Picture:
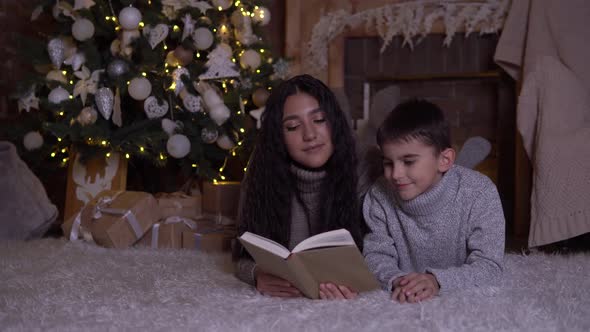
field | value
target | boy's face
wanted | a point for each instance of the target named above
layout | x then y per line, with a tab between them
413	167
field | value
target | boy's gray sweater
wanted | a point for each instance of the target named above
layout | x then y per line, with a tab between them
454	231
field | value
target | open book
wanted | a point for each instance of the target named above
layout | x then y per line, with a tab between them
326	257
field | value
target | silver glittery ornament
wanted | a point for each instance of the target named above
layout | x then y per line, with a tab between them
104	99
57	51
209	135
117	68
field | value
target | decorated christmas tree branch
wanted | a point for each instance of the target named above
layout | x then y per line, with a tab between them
156	80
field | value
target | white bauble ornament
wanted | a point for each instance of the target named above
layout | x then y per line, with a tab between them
139	88
223	4
225	142
32	140
261	15
153	109
219	113
203	38
250	59
169	126
58	95
178	146
129	18
82	29
88	115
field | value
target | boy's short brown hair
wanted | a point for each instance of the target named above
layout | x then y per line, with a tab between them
416	119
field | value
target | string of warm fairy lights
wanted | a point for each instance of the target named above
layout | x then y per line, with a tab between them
61	151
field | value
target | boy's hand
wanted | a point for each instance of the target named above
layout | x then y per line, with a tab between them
271	285
415	287
329	291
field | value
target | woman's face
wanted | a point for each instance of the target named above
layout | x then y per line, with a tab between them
306	131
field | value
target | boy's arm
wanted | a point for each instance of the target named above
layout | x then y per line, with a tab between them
379	248
485	246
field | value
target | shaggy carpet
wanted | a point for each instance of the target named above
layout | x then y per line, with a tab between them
52	284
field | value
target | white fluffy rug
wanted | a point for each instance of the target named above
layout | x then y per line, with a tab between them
52	284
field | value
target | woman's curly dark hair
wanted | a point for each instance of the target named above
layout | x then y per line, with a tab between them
270	184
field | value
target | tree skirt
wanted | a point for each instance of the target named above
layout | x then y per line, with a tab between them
52	284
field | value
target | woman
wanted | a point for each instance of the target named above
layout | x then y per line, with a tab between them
301	179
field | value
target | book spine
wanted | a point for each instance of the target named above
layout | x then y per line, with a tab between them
303	279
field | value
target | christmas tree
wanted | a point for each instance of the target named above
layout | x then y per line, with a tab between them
158	80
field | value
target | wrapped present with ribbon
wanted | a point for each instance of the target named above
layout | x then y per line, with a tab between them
168	233
221	198
115	219
207	239
179	204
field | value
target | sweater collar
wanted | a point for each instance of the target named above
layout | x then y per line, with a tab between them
308	181
436	198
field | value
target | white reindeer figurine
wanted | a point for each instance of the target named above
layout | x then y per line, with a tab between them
86	190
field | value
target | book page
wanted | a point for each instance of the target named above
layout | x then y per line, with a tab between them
266	244
339	237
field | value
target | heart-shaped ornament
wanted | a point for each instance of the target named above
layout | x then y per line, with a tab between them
153	109
192	103
104	99
157	34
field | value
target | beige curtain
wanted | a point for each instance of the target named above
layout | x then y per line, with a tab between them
544	44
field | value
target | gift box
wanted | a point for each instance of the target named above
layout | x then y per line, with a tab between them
207	238
168	233
179	204
115	219
221	198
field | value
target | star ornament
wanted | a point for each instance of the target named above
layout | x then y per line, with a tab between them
189	26
87	84
257	115
83	4
28	101
203	6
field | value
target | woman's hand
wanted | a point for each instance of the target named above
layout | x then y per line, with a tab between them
271	285
329	291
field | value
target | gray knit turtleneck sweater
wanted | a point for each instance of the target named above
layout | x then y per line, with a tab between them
454	231
308	185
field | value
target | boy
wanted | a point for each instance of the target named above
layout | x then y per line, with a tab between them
434	226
